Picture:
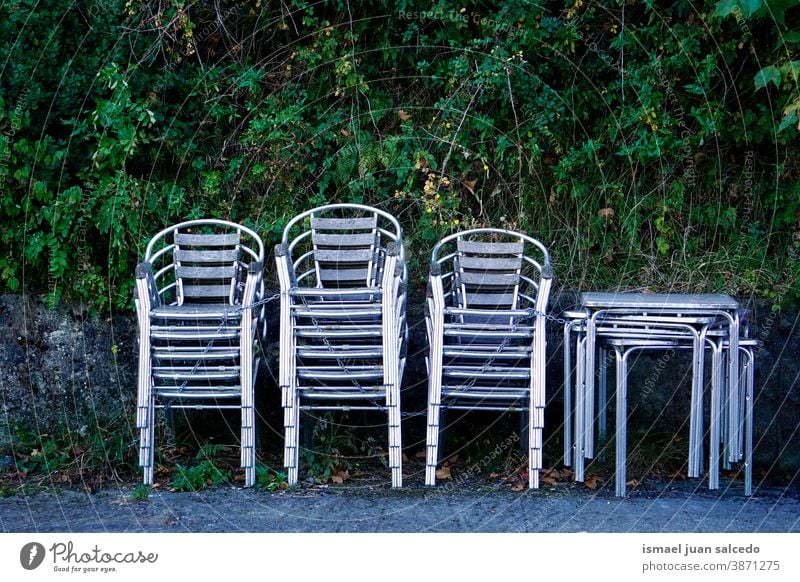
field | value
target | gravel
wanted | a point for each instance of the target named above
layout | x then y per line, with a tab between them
665	507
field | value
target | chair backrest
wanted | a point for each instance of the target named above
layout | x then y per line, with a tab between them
203	261
492	269
207	266
340	246
487	274
346	250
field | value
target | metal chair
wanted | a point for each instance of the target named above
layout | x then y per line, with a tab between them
486	300
198	328
343	330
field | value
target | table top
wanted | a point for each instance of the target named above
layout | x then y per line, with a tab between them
671	301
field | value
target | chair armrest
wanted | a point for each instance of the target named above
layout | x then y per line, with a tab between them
144	272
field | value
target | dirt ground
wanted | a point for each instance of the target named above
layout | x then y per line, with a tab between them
681	506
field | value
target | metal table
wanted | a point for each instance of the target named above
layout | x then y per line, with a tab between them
643	307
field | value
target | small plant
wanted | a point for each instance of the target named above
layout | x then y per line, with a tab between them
198	477
334	445
205	473
140	493
269	480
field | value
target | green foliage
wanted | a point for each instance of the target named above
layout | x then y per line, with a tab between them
140	493
660	153
90	456
270	480
205	472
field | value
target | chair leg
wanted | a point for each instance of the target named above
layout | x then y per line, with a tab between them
395	434
148	434
291	414
534	437
432	443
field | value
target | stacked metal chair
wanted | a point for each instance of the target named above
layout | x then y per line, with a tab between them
343	280
198	327
486	300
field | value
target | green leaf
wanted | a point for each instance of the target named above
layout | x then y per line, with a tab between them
790	37
791	70
749	7
726	7
788	120
767	75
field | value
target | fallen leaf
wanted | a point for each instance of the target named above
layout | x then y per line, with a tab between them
493	475
443	473
592	481
632	483
607	213
406	459
336	479
420	454
470	184
547	480
518	487
344	132
403	115
453	459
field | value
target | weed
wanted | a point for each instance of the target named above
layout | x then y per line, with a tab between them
140	493
269	480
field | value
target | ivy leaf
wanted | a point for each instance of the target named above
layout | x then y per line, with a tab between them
791	69
749	7
790	37
726	7
788	120
767	75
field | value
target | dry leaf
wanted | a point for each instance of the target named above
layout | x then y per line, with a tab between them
632	483
344	132
453	459
443	473
607	213
406	459
518	487
420	454
547	480
592	481
470	184
403	115
336	479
